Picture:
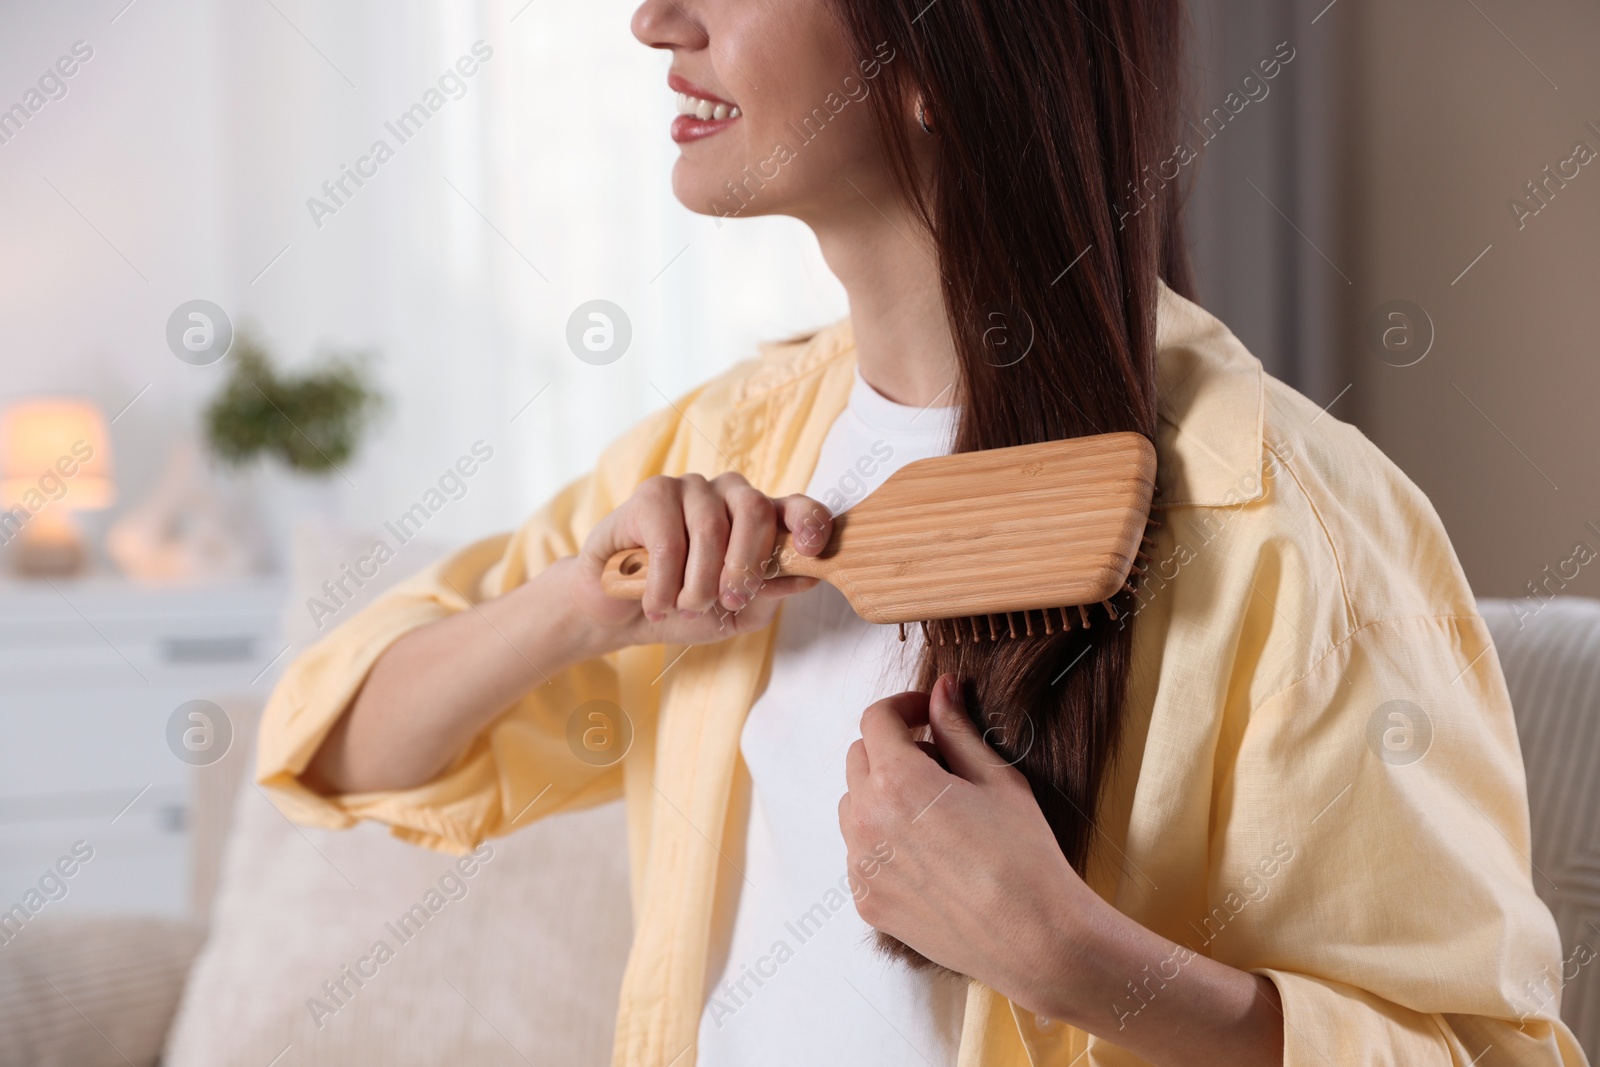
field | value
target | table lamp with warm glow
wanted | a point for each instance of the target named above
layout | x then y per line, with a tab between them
55	459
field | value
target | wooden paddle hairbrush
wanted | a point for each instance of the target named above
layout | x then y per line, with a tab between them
1031	530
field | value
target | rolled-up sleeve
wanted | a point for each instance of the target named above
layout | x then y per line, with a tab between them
521	767
1371	857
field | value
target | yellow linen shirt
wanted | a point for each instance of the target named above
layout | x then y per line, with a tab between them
1320	779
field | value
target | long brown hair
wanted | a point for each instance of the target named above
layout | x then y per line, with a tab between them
1050	124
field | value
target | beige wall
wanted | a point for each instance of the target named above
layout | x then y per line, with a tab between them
1449	122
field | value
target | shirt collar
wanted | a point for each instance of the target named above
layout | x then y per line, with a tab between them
1210	399
1210	403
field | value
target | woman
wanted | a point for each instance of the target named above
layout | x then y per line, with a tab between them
1269	810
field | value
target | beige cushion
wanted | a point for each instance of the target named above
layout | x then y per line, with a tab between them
1550	654
526	966
86	992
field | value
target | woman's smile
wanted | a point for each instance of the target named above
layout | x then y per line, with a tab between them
701	113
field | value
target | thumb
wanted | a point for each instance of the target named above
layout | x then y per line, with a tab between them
957	736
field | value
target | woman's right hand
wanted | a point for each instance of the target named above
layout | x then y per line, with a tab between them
439	686
710	543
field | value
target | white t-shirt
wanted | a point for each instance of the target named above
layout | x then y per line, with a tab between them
798	981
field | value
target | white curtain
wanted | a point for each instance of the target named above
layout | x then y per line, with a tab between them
540	183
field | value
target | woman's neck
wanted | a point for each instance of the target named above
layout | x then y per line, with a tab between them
888	267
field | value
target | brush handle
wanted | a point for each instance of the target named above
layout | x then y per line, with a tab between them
626	571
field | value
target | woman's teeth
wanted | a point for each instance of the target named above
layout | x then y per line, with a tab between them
705	109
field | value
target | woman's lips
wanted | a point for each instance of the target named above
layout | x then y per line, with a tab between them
700	113
687	128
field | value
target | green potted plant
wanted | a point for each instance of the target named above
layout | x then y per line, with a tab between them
310	422
307	424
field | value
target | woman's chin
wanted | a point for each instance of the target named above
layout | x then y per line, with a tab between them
713	187
701	192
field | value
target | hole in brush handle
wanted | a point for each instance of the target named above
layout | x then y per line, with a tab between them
625	574
627	571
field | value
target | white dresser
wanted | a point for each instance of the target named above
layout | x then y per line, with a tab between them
91	673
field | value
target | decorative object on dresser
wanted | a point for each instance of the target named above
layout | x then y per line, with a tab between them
184	530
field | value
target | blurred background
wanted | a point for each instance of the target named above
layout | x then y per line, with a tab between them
1401	222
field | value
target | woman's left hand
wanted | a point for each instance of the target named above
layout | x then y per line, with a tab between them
977	882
